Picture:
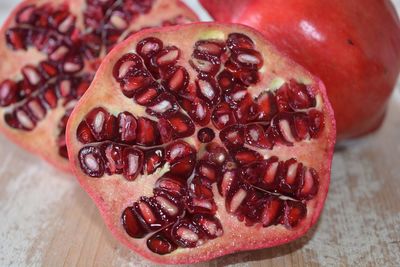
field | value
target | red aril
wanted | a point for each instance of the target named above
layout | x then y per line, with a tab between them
353	46
50	52
207	187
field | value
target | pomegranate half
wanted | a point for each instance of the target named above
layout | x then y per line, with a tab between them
353	46
50	51
201	140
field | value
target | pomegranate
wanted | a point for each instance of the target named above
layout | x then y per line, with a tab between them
200	140
50	52
353	46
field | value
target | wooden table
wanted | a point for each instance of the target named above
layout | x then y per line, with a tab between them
46	219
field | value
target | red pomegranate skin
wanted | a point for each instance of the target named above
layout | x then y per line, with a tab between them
353	46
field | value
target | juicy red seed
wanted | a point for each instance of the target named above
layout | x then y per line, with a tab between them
209	224
266	106
17	38
246	156
135	81
127	127
171	184
223	116
126	64
186	234
8	93
133	163
131	224
48	69
182	125
216	154
200	188
102	124
308	187
300	96
183	167
207	171
25	15
232	136
91	161
204	65
207	89
317	123
248	58
209	48
50	97
160	244
166	131
226	80
293	213
145	96
177	79
113	158
239	40
167	56
198	110
256	136
149	47
73	64
301	126
272	212
36	109
206	135
31	75
154	159
163	106
178	150
147	134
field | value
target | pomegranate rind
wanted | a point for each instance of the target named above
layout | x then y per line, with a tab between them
112	194
42	141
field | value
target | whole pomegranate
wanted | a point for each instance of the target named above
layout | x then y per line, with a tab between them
50	51
201	140
353	46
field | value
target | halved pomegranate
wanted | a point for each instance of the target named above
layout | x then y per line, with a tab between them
201	140
50	51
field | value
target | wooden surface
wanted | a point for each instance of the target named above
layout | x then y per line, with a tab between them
47	220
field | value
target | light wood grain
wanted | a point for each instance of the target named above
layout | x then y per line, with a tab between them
47	220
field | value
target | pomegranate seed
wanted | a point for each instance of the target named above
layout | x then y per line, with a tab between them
32	75
232	136
171	184
223	116
309	185
209	48
256	136
113	158
205	135
50	97
147	134
164	105
317	123
91	161
133	162
301	126
149	47
300	96
154	159
183	167
167	56
198	110
266	106
145	96
178	80
245	156
209	224
272	212
102	124
118	21
166	131
186	234
182	125
239	41
208	90
131	224
8	93
160	244
178	150
36	109
16	38
247	58
24	119
126	64
48	69
25	15
293	213
135	81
